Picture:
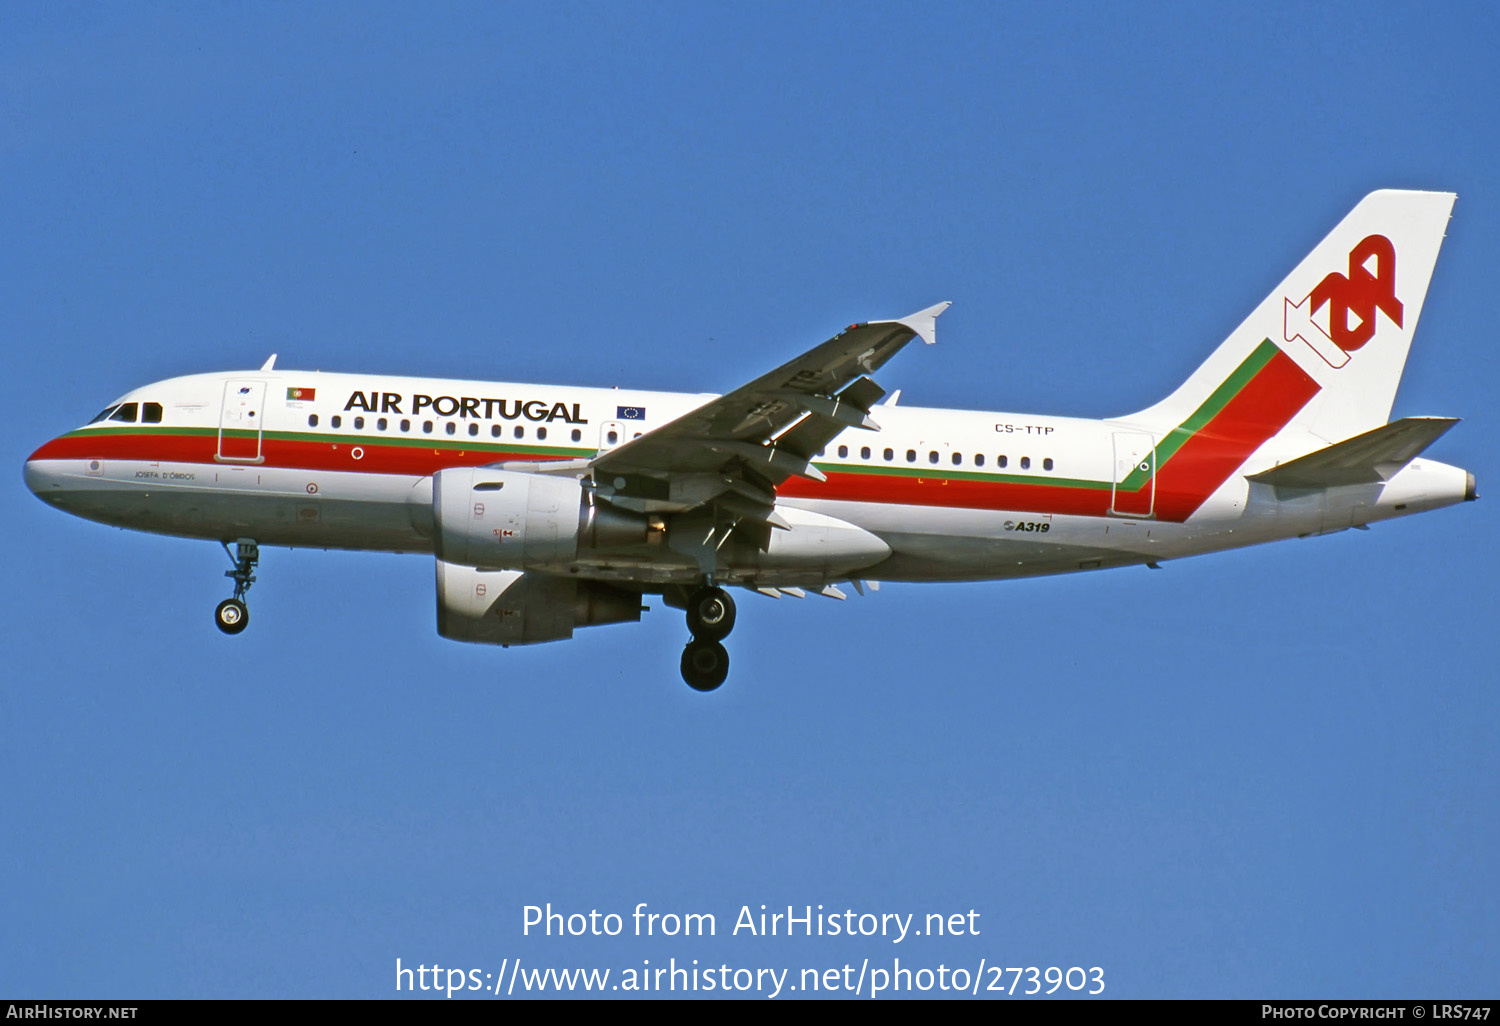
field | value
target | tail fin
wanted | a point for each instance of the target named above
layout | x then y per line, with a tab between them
1324	352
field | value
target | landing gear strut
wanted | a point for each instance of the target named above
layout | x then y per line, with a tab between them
710	616
233	615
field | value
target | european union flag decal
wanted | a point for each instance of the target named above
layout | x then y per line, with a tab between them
630	413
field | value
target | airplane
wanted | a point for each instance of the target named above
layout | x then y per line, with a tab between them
551	508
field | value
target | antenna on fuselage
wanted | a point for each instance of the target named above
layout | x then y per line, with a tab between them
269	364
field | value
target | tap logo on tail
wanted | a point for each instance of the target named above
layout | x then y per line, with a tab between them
1369	286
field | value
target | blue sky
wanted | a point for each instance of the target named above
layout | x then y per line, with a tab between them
1266	772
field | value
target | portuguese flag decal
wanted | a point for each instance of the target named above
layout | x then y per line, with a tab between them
301	394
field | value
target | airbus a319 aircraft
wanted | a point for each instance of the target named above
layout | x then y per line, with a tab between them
551	508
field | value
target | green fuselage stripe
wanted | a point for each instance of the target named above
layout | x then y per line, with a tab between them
1165	449
1205	413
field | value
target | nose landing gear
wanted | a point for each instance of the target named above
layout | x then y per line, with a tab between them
710	616
232	615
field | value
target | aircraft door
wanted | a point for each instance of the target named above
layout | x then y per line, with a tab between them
1135	474
240	421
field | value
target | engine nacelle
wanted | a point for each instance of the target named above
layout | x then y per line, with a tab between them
504	520
509	520
508	607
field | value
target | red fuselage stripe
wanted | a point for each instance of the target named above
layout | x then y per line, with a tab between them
1206	460
1183	483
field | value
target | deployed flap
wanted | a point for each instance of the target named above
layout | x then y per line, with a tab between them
764	432
1364	459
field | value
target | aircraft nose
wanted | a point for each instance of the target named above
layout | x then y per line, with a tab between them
40	478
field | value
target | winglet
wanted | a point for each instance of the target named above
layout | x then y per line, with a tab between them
924	322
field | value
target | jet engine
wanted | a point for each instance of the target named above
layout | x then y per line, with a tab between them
509	520
509	607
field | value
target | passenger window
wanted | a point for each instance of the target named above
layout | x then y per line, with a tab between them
521	433
312	420
614	436
451	427
336	421
405	425
380	424
843	452
426	427
1001	461
151	413
473	430
864	452
126	412
979	459
541	433
494	430
1025	462
958	458
359	423
932	457
577	435
1047	463
889	455
911	455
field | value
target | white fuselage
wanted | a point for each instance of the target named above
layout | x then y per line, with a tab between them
346	461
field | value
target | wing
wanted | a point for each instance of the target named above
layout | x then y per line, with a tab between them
732	452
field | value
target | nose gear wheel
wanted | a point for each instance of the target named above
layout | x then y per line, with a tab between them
233	615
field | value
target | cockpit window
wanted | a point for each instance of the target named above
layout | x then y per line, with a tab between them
151	413
103	414
126	412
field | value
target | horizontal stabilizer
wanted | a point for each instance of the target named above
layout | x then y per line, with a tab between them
1364	459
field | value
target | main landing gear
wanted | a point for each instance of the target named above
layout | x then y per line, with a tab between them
233	616
710	616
